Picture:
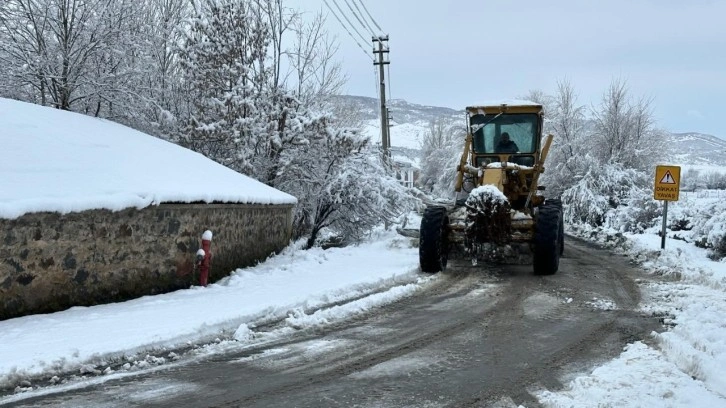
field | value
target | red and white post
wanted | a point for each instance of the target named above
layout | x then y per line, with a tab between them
204	257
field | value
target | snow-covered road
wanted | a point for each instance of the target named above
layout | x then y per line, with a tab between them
682	366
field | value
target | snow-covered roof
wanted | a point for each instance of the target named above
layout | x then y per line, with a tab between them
404	160
61	161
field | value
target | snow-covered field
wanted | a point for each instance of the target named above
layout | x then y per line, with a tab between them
408	135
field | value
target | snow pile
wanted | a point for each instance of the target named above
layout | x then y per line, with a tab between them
639	377
60	161
299	319
488	193
602	304
294	283
243	333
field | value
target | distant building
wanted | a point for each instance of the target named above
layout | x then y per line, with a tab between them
407	168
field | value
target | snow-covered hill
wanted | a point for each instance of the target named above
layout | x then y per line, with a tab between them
698	151
408	120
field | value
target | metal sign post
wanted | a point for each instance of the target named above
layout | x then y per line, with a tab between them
665	222
667	188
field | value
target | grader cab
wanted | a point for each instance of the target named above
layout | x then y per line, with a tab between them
500	211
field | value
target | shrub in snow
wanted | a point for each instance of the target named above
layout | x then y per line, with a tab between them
714	232
700	218
342	185
89	369
594	199
639	213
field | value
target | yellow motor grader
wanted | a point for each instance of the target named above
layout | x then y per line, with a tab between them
500	211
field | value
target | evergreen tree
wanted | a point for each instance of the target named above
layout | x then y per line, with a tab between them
224	42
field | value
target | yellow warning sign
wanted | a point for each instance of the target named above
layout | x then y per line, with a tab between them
667	183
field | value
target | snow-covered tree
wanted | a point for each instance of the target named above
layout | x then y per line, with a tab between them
601	161
163	101
624	130
225	41
53	48
342	184
441	148
25	49
603	189
569	155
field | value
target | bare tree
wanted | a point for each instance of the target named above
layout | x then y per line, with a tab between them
312	57
568	117
540	97
24	26
161	79
56	47
280	19
624	130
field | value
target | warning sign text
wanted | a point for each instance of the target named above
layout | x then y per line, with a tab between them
667	183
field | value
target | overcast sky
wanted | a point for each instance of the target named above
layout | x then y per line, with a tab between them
455	53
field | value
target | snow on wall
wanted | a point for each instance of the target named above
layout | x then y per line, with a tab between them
66	162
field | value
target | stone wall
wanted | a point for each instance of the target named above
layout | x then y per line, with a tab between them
49	261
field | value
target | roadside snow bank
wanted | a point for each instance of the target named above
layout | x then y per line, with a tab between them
640	377
686	365
294	280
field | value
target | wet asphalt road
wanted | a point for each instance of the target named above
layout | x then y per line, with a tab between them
476	336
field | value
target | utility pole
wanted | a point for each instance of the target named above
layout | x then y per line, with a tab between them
385	136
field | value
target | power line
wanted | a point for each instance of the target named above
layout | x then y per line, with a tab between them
346	28
364	24
348	20
372	31
369	15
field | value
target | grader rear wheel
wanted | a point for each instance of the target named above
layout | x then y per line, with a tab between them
433	248
548	244
561	236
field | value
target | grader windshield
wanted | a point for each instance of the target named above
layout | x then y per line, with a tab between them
512	133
